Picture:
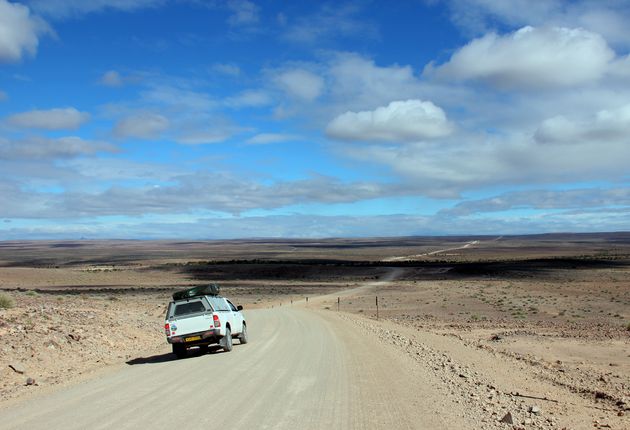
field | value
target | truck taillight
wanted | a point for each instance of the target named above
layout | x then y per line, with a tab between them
167	329
215	319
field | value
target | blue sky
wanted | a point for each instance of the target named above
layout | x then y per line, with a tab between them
237	118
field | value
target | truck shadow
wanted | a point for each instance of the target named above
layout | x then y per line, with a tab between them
166	357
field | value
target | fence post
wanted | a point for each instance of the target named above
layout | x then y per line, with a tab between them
377	307
337	304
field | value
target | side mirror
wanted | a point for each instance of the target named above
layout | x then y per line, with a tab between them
239	308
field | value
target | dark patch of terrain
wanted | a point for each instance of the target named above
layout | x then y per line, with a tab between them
317	270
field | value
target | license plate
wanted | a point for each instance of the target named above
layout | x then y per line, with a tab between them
192	338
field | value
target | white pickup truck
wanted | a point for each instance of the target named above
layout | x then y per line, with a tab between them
202	320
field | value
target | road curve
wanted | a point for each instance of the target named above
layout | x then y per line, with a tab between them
302	369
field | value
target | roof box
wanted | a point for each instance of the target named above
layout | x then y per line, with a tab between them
204	290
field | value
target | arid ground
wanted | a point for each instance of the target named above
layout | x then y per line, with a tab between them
469	330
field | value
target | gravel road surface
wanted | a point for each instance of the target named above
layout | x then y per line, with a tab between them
302	369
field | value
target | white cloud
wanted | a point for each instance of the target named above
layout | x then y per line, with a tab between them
219	192
111	78
605	126
400	121
202	136
265	138
250	98
226	69
300	83
607	18
531	57
357	83
181	98
244	12
19	31
141	125
45	148
470	162
59	9
52	119
545	199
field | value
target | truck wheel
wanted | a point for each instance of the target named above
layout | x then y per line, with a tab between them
179	350
243	336
227	340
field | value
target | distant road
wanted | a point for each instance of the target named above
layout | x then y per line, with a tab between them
439	251
303	369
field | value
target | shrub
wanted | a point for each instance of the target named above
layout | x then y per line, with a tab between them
6	302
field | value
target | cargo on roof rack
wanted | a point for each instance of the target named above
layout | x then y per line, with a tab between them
204	290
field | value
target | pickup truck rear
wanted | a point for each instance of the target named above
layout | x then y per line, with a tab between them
203	320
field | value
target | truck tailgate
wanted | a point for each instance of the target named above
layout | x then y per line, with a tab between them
184	325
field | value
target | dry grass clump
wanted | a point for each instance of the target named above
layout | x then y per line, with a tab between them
6	302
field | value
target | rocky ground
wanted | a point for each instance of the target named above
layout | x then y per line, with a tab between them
53	339
482	381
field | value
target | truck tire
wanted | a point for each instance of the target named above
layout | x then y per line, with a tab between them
243	336
179	350
227	340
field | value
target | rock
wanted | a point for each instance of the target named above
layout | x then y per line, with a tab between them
74	336
51	344
30	381
17	367
496	338
507	418
620	414
534	410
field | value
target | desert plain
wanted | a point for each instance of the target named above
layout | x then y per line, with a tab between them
512	332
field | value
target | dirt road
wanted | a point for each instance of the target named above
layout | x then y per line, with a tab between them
302	369
438	251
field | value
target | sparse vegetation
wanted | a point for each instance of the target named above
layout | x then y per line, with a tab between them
6	302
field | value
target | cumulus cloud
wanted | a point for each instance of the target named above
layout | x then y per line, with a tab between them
605	126
400	121
143	125
301	84
20	31
265	138
530	57
46	148
53	119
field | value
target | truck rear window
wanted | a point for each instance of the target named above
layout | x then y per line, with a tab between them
188	308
